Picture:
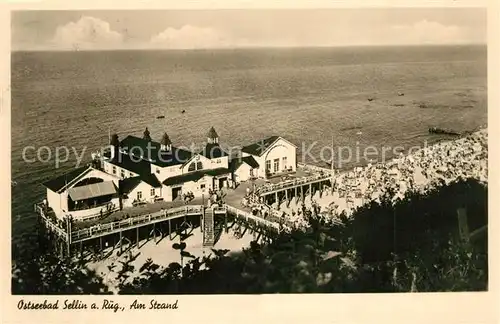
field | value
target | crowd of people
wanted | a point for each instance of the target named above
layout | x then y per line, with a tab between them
432	166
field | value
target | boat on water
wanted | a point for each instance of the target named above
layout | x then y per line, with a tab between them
160	117
436	130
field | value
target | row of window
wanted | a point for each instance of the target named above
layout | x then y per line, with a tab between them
122	173
276	164
152	193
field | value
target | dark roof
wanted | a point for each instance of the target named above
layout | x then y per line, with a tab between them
236	162
60	182
216	172
194	176
250	161
213	151
212	133
260	147
126	162
128	184
159	157
151	180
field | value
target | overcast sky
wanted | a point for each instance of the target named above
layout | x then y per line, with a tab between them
186	29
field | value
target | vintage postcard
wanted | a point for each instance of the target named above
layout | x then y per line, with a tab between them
296	156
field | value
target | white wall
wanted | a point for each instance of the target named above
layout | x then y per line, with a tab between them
242	173
146	194
108	168
195	186
54	202
207	164
279	150
166	172
222	162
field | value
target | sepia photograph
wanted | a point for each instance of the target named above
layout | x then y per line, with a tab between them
248	151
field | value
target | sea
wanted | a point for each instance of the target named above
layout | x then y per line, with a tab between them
350	97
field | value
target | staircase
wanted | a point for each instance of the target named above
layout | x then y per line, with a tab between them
208	228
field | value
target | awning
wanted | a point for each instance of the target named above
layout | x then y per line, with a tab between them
92	190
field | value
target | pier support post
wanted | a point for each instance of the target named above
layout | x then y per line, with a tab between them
169	230
311	190
100	245
201	223
120	242
154	232
61	249
225	223
276	197
81	249
286	194
137	236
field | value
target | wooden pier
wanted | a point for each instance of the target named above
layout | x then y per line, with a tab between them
294	189
159	223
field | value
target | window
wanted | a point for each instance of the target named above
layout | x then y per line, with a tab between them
268	165
153	193
219	161
157	170
114	169
202	187
131	174
122	173
284	163
192	167
276	165
139	195
199	166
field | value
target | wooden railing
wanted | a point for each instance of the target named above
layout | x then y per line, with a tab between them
248	216
133	222
267	188
49	222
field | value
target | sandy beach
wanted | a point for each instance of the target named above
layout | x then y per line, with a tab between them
162	253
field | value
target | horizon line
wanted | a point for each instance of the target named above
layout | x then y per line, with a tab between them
249	47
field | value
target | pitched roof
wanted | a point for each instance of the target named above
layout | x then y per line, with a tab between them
194	176
92	190
151	180
159	157
128	184
250	161
260	147
237	162
60	182
212	133
213	151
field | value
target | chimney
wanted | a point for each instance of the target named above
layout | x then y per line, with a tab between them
114	144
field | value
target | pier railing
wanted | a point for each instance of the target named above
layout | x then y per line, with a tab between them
268	188
133	222
249	217
39	208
